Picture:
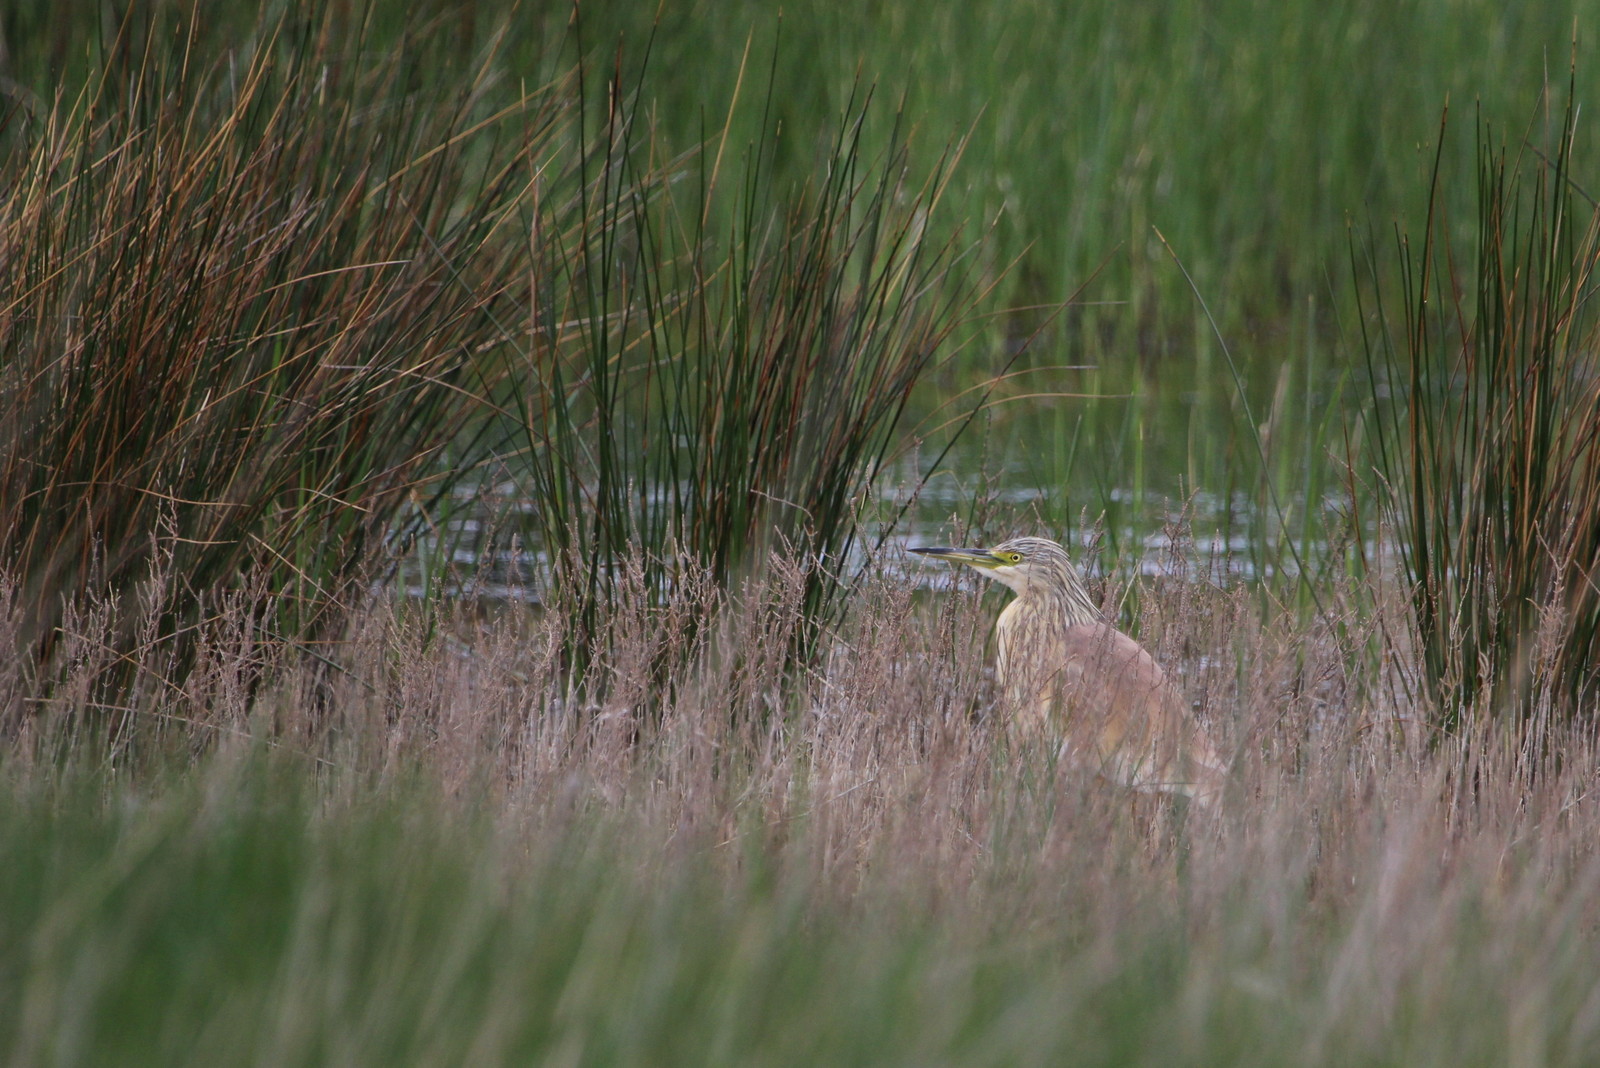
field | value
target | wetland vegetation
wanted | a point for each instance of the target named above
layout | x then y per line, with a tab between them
454	463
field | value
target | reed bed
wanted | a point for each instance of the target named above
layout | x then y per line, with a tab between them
1250	134
289	312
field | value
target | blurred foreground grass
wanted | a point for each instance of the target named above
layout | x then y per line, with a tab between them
236	917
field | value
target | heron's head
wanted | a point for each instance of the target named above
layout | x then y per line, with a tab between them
1025	564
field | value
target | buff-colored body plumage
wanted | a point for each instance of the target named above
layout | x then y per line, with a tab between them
1068	677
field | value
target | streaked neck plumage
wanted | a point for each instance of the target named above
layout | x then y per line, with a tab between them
1058	594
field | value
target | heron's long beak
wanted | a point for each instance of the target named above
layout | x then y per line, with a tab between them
975	557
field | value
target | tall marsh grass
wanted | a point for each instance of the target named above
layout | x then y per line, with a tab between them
273	315
1249	133
710	395
1487	415
233	333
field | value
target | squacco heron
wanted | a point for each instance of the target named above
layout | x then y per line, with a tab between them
1067	676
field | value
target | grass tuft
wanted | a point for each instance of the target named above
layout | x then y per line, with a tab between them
1487	418
232	348
690	398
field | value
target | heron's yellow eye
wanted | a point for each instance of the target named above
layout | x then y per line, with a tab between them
1012	557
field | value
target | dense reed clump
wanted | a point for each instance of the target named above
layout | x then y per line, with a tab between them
708	395
1487	395
242	301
